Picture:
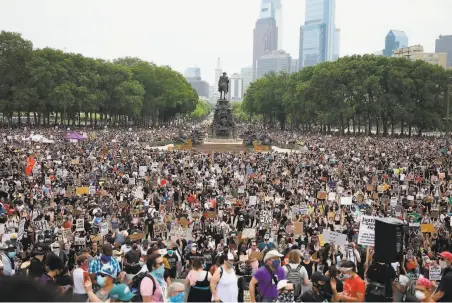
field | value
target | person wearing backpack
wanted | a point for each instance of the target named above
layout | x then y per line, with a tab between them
410	290
296	273
153	286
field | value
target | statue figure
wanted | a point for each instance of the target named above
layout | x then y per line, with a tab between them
223	86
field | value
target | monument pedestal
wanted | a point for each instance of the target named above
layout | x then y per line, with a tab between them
223	126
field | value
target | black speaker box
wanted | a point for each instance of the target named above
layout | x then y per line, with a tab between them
388	240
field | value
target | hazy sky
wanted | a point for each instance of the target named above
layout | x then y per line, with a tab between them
185	33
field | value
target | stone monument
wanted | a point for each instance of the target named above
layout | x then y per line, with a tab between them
223	126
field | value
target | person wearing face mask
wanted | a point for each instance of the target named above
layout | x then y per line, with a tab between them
7	258
105	279
423	290
267	278
285	292
354	286
266	245
131	261
316	293
224	281
444	291
153	286
176	292
172	259
192	254
79	293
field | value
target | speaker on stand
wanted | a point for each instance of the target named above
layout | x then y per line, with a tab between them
388	240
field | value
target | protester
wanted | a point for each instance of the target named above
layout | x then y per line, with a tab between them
198	281
444	291
267	278
176	292
153	286
223	284
354	286
111	193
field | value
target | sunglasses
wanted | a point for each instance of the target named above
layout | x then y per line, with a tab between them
103	275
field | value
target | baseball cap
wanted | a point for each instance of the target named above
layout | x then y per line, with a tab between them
271	254
282	284
121	292
107	270
447	255
318	276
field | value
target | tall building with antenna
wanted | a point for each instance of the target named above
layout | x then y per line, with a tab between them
218	72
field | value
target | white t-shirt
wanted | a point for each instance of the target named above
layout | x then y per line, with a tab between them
78	281
125	249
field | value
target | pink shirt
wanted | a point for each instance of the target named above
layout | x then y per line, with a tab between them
146	288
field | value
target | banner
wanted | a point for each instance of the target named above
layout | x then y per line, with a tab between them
366	234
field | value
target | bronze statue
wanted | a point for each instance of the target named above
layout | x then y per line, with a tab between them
223	86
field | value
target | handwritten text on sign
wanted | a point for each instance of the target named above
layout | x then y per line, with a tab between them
367	231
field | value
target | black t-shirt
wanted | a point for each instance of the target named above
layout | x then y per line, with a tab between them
172	260
36	269
311	296
190	256
446	285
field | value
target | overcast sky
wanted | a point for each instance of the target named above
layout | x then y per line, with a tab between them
186	33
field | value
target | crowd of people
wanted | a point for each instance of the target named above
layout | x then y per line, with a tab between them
107	217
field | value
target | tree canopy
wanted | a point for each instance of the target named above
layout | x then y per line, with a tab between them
357	93
53	85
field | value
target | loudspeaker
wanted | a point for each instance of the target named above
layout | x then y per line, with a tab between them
388	240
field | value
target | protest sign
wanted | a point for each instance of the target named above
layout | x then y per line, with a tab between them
81	190
80	225
434	273
346	200
298	228
249	233
79	241
331	196
366	234
427	228
334	237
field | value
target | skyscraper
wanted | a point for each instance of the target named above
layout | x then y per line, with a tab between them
444	45
265	38
318	34
337	44
236	88
394	40
193	76
247	76
274	61
218	73
192	72
276	12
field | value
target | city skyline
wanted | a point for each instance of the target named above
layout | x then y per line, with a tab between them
180	34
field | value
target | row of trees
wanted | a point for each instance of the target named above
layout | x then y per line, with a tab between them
48	85
357	94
